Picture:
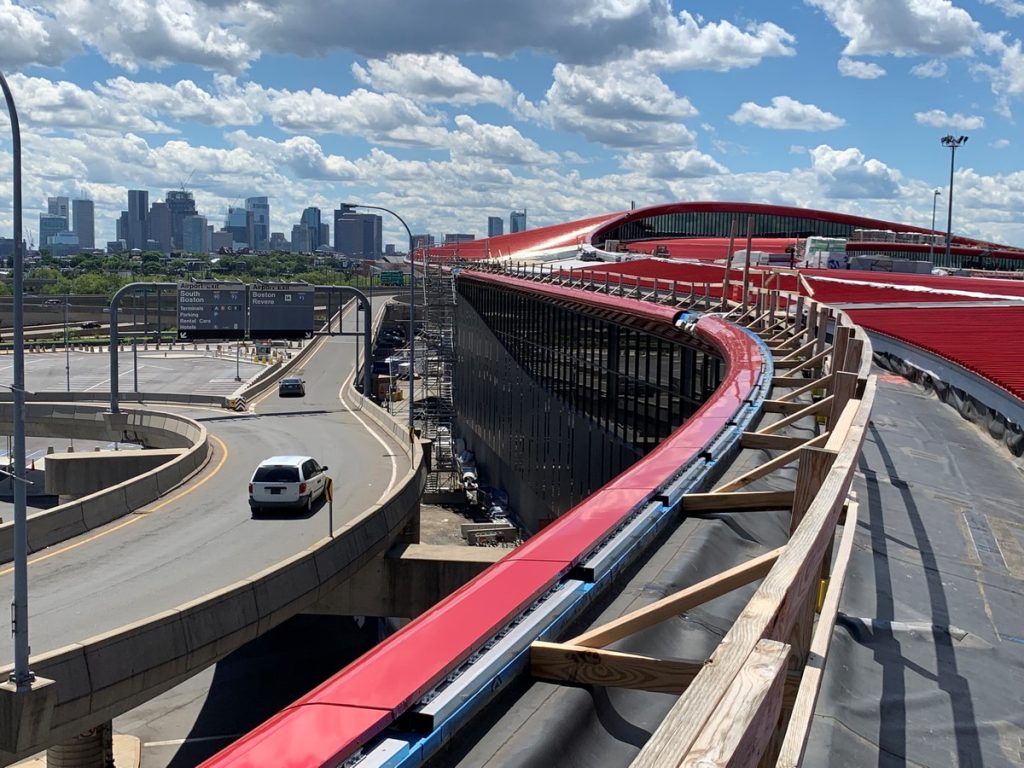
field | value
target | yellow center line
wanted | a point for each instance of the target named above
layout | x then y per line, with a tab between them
134	516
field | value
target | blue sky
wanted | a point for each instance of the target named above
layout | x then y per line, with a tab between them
450	112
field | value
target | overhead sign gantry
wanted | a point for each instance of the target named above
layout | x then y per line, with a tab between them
281	311
211	311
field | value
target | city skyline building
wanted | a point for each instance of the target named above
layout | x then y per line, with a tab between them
517	221
311	218
84	222
195	233
495	226
260	209
138	218
458	237
358	235
57	206
160	226
301	239
50	225
182	205
239	223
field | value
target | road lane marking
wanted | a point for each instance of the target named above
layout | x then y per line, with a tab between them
134	516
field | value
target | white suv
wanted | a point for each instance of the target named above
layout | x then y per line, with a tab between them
287	481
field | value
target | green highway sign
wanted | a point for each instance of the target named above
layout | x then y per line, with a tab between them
392	278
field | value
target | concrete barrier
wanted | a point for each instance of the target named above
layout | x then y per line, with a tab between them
86	422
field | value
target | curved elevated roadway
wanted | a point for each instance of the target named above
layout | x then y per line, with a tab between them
202	537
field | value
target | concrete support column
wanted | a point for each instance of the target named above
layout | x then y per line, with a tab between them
92	749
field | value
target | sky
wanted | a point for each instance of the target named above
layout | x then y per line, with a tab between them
451	111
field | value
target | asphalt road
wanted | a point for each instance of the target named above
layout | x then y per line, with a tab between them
202	537
158	371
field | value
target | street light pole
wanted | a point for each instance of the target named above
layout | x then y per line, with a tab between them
952	142
67	355
412	300
22	676
931	241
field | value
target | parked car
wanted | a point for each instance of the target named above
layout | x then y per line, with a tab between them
90	324
291	386
53	303
287	482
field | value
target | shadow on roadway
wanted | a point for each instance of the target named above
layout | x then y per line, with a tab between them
290	514
266	675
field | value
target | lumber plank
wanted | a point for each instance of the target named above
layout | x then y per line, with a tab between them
680	602
737	501
573	664
808	410
755	440
782	406
792	752
770	466
741	727
808	387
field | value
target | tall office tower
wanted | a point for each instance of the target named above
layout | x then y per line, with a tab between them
495	226
84	223
239	224
182	205
358	235
311	219
260	208
122	228
300	239
160	226
278	242
195	235
517	221
138	218
57	206
50	225
325	234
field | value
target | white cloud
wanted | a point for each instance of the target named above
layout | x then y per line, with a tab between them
933	68
901	27
1000	144
716	46
862	70
614	105
501	144
1009	7
686	164
937	118
436	77
846	174
130	33
787	114
32	37
379	118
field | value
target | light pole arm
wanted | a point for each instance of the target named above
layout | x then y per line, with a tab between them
412	305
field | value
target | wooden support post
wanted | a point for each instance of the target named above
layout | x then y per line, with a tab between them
844	388
728	266
822	335
854	351
682	601
840	340
746	262
773	305
799	322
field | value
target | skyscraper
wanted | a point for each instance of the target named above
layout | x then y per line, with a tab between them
50	225
358	235
495	226
160	226
311	219
57	206
300	239
138	218
84	222
325	234
517	221
239	223
181	205
260	209
196	235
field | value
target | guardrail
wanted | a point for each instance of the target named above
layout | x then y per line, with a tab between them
82	422
444	666
93	682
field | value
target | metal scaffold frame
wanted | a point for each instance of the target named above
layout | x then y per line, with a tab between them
436	403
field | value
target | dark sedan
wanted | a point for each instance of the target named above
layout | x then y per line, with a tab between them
291	386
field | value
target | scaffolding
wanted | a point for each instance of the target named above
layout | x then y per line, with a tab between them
435	407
